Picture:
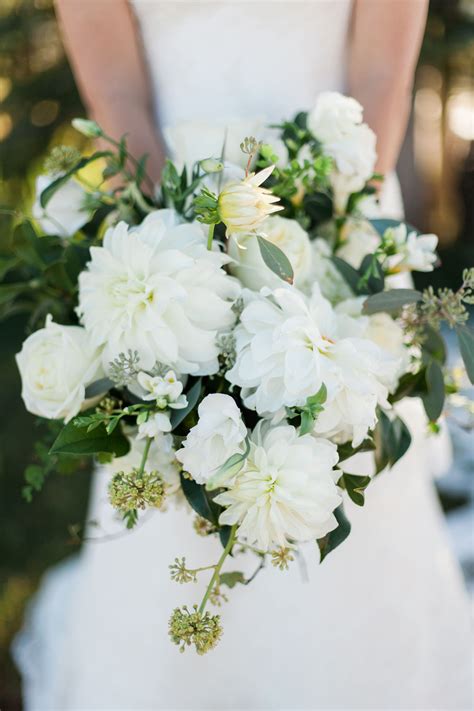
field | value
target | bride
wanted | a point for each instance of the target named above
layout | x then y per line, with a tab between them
383	623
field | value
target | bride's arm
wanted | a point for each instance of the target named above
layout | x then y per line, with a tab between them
385	43
102	44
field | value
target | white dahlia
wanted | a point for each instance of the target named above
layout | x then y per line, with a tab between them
155	289
286	491
288	346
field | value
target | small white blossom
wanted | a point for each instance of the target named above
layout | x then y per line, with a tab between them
56	363
157	422
286	490
64	214
412	252
166	389
243	205
219	433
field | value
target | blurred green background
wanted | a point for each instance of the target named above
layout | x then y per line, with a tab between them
38	98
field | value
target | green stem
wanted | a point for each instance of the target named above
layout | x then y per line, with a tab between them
132	160
210	235
217	569
145	456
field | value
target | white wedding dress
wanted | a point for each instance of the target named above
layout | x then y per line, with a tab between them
383	623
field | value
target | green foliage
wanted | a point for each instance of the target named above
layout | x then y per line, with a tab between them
310	411
334	538
433	399
390	301
82	439
466	346
193	395
355	486
230	468
392	440
276	259
200	500
232	579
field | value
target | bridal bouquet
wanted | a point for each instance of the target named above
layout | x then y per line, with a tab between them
230	338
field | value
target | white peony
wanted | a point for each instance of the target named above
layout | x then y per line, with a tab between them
64	214
243	205
358	239
157	290
286	234
286	490
161	458
219	433
333	116
412	252
56	364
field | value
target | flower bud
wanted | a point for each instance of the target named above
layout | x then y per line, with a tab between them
87	127
211	165
243	205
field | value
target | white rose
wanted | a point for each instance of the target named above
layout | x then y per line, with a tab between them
413	252
333	116
358	239
219	433
56	364
285	491
64	214
286	234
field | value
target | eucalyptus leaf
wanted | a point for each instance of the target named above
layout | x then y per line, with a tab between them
275	259
433	399
98	387
391	301
466	346
334	538
346	451
392	440
350	274
78	440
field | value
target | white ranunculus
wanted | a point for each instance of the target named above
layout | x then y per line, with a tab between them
56	364
358	239
161	458
324	273
64	214
333	116
243	205
286	490
413	252
156	289
286	234
219	433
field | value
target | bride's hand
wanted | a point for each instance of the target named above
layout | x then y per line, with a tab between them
106	56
